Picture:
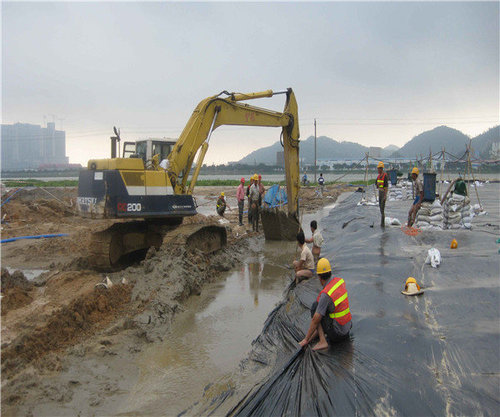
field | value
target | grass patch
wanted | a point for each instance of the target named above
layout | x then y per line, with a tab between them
40	183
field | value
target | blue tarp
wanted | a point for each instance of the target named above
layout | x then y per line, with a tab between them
275	196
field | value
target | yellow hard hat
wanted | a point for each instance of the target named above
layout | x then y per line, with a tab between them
415	170
222	194
380	164
411	280
323	266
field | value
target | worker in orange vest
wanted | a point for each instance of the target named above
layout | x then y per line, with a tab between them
330	312
382	187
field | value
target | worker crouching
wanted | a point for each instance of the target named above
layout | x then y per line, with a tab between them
331	317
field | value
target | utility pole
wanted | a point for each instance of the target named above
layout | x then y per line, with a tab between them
315	151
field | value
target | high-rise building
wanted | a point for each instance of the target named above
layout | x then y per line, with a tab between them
27	146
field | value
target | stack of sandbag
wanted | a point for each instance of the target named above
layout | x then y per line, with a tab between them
477	210
456	210
396	192
430	216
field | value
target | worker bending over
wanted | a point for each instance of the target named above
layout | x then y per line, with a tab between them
304	267
330	312
419	196
221	205
382	186
317	240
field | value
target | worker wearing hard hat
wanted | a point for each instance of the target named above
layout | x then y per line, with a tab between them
331	317
253	198
382	187
221	204
419	196
240	197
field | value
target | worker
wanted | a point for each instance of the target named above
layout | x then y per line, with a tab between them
221	204
304	267
165	164
330	312
249	215
419	197
253	197
262	191
316	239
304	179
382	186
321	182
240	196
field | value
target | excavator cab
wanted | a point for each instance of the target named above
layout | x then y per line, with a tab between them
146	149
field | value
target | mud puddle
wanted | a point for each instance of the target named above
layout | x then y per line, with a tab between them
210	338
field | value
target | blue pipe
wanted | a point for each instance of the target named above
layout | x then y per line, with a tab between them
12	239
15	192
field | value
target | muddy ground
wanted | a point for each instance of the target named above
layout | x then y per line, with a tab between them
67	343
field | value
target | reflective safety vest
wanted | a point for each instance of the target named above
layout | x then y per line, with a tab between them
381	180
337	292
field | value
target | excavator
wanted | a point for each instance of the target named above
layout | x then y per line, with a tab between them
146	195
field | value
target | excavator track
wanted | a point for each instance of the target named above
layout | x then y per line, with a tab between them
109	247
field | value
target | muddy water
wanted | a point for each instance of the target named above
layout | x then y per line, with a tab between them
214	333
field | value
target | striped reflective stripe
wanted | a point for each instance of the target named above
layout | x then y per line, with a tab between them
338	284
340	299
340	313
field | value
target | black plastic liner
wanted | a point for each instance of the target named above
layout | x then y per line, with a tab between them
431	355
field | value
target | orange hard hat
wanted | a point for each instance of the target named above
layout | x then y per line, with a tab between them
454	244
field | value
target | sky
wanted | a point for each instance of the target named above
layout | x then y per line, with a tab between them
375	73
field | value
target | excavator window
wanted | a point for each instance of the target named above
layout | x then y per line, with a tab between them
141	149
163	149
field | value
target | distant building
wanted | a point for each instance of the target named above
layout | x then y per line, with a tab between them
27	146
280	158
375	152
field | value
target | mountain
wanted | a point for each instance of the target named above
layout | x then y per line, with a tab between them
326	148
486	145
452	140
483	144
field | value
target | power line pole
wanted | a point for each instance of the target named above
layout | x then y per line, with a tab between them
315	151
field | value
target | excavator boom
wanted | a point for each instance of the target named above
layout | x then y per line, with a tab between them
216	111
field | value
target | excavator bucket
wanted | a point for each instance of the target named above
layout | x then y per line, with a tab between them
278	225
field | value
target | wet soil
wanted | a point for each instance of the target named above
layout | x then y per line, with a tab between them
68	345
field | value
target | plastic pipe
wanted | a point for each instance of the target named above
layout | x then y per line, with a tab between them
12	239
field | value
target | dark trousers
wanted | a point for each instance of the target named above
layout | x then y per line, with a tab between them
241	205
254	208
330	326
381	204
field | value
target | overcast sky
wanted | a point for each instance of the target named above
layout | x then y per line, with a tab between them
372	73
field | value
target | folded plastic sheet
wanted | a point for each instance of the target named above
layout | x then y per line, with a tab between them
433	355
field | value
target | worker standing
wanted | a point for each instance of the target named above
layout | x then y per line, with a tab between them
317	240
304	267
253	196
221	204
330	312
249	214
419	196
321	182
240	196
382	186
262	191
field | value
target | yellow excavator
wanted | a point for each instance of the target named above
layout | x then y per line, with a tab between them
147	194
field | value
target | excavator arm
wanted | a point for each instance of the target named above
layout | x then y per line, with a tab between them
216	111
